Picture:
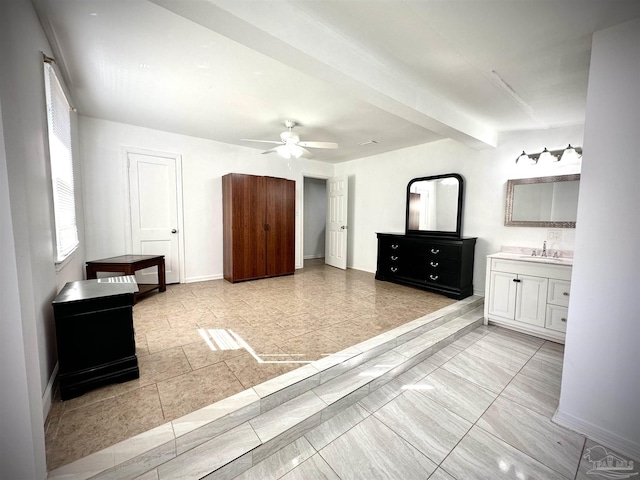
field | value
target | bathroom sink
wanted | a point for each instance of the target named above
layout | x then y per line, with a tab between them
559	261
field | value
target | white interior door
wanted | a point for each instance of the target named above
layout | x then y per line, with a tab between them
155	208
337	231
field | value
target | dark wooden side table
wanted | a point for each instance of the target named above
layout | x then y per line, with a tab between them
128	265
94	333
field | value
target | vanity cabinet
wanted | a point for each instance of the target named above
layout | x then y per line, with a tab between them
439	264
529	295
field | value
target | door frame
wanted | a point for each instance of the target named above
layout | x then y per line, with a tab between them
301	216
128	237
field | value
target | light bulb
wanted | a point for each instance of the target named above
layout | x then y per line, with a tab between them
545	157
525	159
570	156
295	150
283	151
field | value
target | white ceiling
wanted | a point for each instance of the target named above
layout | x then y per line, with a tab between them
400	72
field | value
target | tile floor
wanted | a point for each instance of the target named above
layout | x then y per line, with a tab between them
318	311
478	409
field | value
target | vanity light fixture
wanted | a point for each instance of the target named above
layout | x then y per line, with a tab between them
567	155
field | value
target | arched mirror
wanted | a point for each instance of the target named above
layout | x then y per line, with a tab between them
434	205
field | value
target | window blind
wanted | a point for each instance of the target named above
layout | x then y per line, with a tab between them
59	125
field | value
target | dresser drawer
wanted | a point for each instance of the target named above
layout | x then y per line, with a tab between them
449	278
437	250
558	293
389	246
556	318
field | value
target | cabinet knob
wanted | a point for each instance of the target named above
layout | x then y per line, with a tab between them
395	246
394	269
435	251
563	320
566	294
433	277
434	264
517	280
393	257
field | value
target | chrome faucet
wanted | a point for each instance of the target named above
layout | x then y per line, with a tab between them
544	249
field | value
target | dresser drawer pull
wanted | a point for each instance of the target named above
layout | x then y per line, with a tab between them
435	251
563	320
433	277
394	246
566	294
394	258
394	269
434	264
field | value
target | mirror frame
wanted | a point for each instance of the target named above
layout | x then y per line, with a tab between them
453	234
511	184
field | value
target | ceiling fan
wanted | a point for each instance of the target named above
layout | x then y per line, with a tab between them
290	144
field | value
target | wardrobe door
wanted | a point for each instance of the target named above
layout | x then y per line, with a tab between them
244	227
280	225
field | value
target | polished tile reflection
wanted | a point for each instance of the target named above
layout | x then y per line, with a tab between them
300	318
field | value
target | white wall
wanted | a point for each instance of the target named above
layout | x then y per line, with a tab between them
22	440
204	162
315	216
601	381
377	189
30	280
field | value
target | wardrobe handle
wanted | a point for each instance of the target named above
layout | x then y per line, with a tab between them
434	264
395	246
393	257
394	269
435	251
433	277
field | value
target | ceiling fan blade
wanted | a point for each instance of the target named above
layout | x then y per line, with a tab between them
261	141
305	153
273	150
318	144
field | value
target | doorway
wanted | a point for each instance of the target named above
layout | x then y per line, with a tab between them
315	218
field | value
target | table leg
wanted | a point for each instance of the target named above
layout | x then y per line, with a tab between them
161	276
91	272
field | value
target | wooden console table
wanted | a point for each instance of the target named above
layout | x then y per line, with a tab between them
128	265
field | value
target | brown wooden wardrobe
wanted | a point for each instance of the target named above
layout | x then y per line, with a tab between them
258	217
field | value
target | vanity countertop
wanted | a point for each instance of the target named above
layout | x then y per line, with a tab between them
529	258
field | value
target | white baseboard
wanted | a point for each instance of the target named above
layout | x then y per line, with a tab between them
607	439
47	397
203	278
311	257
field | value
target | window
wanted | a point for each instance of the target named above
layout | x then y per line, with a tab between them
59	123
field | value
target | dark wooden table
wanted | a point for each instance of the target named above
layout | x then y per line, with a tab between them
94	332
128	265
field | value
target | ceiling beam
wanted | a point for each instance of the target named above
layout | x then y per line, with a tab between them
283	32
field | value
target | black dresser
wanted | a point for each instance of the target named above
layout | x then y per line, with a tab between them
439	264
94	330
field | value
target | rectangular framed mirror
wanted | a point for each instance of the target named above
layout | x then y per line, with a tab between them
550	202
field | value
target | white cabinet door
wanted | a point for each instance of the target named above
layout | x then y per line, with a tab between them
531	300
556	318
502	298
